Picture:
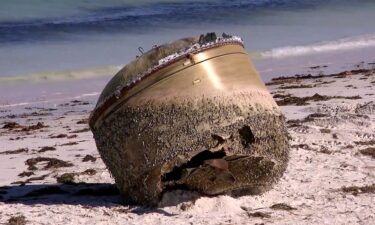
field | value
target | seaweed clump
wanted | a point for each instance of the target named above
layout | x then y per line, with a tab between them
51	163
17	220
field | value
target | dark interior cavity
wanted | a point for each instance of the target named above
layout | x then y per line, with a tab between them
194	162
247	136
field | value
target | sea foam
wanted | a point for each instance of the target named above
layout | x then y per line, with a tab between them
321	47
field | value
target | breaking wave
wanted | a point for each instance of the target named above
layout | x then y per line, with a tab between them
321	47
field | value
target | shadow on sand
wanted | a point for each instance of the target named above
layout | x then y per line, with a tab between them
85	194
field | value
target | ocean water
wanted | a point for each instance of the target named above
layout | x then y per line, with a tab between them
48	48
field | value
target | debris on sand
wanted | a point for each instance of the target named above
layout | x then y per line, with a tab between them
38	126
282	206
59	136
368	152
299	101
12	152
26	115
46	148
309	118
370	142
83	121
297	86
70	143
81	130
72	136
245	208
36	178
17	138
14	125
302	146
69	178
325	150
355	190
78	102
30	179
17	220
66	178
325	131
89	158
26	174
186	206
11	125
318	67
300	77
51	163
89	172
259	214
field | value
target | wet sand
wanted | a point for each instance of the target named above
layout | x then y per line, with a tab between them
51	172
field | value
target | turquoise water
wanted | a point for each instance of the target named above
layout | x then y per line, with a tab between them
71	40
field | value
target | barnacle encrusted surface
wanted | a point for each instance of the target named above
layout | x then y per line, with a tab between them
226	144
192	114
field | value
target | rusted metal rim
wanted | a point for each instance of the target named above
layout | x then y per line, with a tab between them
121	91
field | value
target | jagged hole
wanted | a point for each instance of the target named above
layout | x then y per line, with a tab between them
194	162
247	136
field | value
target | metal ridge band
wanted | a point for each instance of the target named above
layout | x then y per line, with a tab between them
102	110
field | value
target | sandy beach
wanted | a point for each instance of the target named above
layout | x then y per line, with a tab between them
316	57
51	172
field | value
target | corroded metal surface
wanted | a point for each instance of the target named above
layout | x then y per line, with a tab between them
203	122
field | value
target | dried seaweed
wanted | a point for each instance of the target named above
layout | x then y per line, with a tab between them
299	101
51	163
12	152
355	190
368	152
89	158
17	220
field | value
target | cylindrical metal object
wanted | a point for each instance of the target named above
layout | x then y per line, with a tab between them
201	119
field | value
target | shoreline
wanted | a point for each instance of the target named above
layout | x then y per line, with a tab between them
59	90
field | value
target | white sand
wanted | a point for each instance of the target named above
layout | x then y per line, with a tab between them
312	183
